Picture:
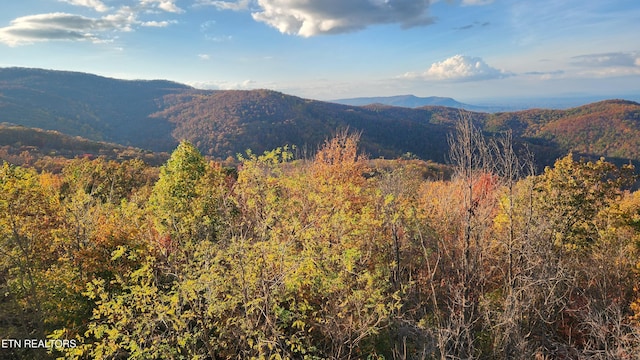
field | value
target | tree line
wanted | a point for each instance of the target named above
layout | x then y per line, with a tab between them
323	258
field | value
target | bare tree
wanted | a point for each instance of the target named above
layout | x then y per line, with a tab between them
471	158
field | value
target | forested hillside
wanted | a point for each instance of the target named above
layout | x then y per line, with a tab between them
323	258
608	128
43	149
157	115
94	107
230	122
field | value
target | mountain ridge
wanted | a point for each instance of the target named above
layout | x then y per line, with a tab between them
27	146
157	114
410	101
86	105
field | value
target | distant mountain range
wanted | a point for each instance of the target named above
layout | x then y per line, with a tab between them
412	101
566	101
156	115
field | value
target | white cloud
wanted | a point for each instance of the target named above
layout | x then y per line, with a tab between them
476	2
219	39
545	75
225	4
460	68
603	65
157	23
165	5
229	85
610	72
207	29
96	5
122	20
71	27
614	59
59	26
204	56
205	26
309	18
607	72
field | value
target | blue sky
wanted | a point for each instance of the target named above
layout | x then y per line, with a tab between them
329	49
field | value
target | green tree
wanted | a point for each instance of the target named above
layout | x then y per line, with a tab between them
173	302
571	194
184	200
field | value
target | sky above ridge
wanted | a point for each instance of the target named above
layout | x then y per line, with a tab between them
330	49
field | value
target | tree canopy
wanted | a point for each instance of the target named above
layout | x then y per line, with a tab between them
330	257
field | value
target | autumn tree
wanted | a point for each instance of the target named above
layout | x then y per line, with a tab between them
29	217
105	181
320	223
571	194
558	219
185	200
333	256
160	306
470	155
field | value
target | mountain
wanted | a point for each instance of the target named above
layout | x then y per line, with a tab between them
608	128
22	145
156	115
228	122
225	123
411	101
87	105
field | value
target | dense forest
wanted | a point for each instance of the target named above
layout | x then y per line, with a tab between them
49	150
157	115
328	256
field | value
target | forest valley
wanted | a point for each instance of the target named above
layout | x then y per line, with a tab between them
327	257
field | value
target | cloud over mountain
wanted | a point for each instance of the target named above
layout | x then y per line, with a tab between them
460	68
309	18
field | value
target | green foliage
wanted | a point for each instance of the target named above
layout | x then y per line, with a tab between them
182	199
334	257
573	192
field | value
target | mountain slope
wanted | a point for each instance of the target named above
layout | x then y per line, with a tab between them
87	105
228	122
156	115
608	128
20	145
